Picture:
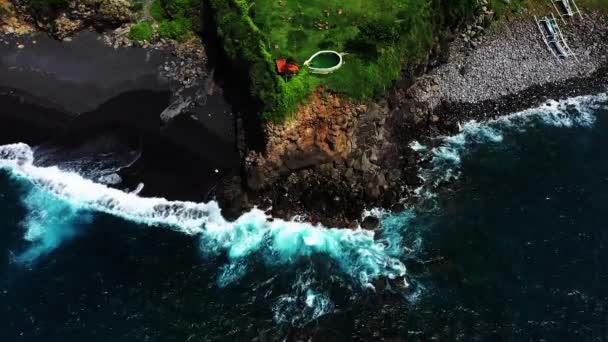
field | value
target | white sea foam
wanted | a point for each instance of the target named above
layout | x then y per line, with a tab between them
277	241
303	304
446	155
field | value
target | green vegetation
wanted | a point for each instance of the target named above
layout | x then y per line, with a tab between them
141	31
178	29
502	8
243	45
181	8
176	19
382	38
136	5
156	11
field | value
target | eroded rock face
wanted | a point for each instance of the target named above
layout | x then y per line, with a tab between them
320	134
329	164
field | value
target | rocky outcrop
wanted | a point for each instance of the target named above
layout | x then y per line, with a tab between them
329	164
10	22
320	133
77	15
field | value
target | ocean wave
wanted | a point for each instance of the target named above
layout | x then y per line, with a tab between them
446	152
66	196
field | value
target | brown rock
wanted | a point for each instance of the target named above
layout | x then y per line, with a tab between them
372	191
379	180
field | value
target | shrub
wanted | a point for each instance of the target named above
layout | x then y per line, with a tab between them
379	31
292	94
451	13
178	29
140	32
502	8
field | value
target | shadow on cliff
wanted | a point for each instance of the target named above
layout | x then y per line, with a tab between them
235	82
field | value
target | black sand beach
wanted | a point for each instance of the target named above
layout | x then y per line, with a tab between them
68	94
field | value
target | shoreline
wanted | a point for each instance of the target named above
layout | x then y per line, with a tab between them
376	167
103	90
340	157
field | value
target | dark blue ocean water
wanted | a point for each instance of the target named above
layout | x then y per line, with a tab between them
512	249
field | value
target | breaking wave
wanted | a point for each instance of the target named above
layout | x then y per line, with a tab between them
58	201
444	155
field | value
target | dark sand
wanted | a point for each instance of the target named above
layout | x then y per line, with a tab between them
66	94
80	75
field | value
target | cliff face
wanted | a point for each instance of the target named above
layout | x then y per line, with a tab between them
329	163
320	133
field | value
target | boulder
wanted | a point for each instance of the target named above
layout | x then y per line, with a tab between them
379	180
370	223
372	191
363	164
63	26
301	159
394	175
115	11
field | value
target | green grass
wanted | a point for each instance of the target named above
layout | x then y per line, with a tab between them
178	29
176	20
157	12
141	32
297	30
382	38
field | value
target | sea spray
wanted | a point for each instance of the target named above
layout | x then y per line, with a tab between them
305	302
47	229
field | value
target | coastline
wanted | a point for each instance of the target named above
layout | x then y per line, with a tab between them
67	94
376	168
339	157
486	198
